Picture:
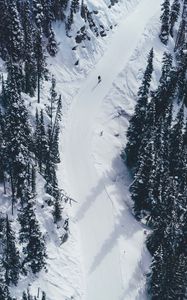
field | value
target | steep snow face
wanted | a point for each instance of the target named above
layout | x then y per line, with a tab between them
114	257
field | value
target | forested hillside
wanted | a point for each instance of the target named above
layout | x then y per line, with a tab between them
68	81
156	153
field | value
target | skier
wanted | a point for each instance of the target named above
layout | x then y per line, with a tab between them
99	79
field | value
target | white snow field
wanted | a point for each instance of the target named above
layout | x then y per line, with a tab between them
112	242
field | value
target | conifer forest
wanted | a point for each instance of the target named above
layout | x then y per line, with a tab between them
93	149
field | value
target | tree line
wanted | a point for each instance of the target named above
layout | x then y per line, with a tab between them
26	35
156	153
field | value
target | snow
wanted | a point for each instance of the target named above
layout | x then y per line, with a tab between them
105	257
112	242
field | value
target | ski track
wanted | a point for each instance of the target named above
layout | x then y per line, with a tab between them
94	213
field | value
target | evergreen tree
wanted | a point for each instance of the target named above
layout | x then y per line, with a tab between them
139	188
15	43
75	6
177	146
40	60
17	137
38	14
31	236
40	139
164	34
24	296
59	7
4	28
48	16
29	55
137	122
69	22
155	281
43	296
52	47
11	259
167	85
174	14
84	11
53	100
3	157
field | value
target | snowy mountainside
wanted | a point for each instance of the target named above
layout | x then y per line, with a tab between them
105	132
105	257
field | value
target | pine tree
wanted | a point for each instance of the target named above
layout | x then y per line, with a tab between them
31	236
15	43
24	296
4	28
177	146
51	108
69	22
38	14
2	154
53	133
139	188
174	14
48	16
75	6
3	96
164	34
40	60
136	128
155	278
167	85
59	7
11	259
52	47
84	11
43	296
40	140
29	56
17	136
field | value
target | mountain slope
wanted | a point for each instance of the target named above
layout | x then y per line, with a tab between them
95	212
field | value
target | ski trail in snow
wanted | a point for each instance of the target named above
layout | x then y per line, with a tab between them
94	215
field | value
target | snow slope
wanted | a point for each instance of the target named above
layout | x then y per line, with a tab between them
100	229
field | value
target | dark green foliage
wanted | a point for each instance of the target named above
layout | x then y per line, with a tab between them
159	189
15	30
58	8
29	55
43	296
52	44
10	259
17	136
40	60
136	127
174	14
75	5
38	14
69	21
177	146
139	188
2	153
31	237
164	34
40	139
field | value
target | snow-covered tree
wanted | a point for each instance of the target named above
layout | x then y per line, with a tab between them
174	14
11	258
136	127
165	17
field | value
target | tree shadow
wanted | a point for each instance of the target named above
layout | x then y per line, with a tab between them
126	225
95	192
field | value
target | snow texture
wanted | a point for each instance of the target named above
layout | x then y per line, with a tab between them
105	257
